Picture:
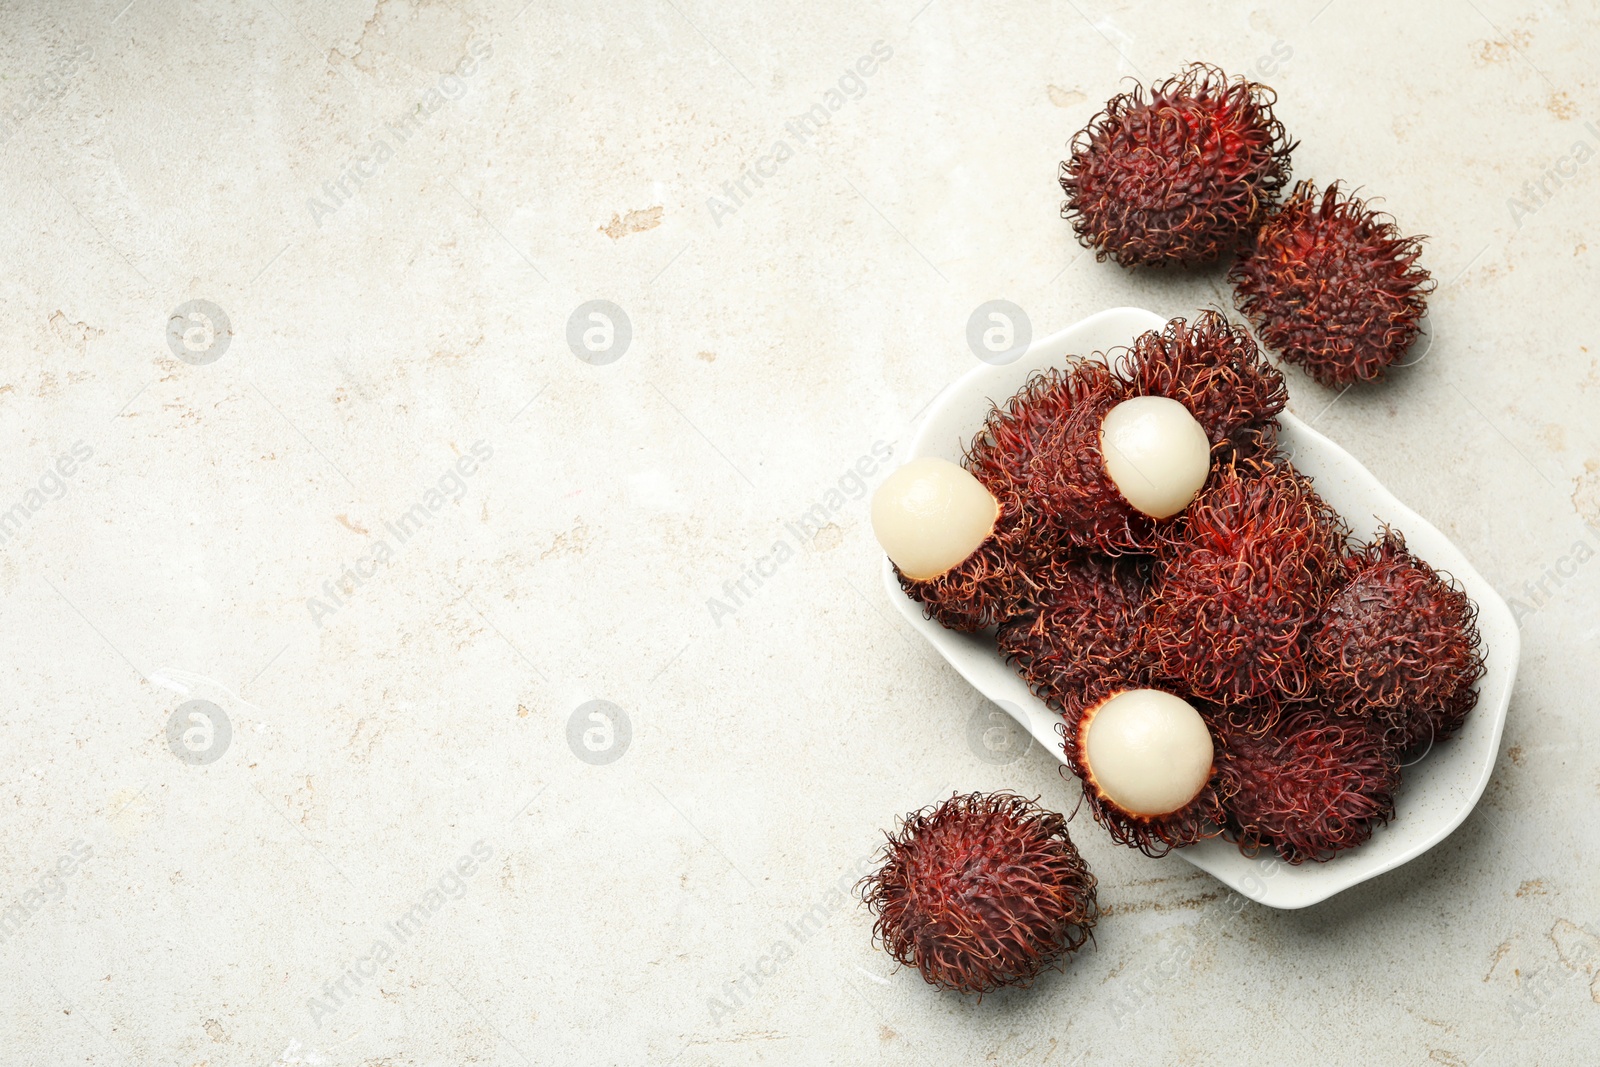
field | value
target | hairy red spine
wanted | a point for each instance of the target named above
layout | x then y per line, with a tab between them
1042	450
1081	631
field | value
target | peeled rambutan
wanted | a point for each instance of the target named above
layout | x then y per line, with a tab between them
1318	783
1399	642
1239	583
1333	286
1146	759
1212	367
981	891
1079	632
1042	450
1177	178
955	546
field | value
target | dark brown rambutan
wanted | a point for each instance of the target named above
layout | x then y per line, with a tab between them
1177	178
1041	451
1080	631
981	891
1319	783
1332	286
1399	643
1149	778
1240	581
1212	367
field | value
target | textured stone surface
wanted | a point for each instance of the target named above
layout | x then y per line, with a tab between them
682	902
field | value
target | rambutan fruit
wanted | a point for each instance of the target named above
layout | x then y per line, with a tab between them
1042	450
1083	457
1214	369
1399	642
1240	581
1318	783
1180	177
1333	286
1146	760
1091	465
954	545
1079	632
981	891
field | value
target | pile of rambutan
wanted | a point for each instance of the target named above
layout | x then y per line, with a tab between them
1226	660
1193	172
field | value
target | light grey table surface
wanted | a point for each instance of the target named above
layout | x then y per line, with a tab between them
392	529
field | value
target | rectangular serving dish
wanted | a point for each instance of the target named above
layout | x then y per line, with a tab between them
1436	793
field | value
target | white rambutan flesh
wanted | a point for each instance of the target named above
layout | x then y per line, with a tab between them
930	515
1156	453
1148	752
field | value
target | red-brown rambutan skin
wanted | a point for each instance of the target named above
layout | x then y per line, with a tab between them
1154	835
1240	581
1212	367
984	588
1399	642
1332	286
1042	450
980	892
1180	177
1080	631
1319	783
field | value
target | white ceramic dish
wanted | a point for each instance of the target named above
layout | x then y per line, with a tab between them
1437	792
